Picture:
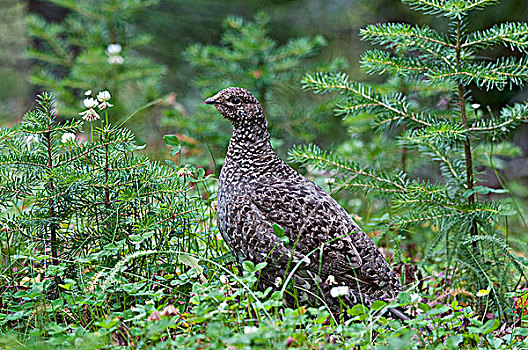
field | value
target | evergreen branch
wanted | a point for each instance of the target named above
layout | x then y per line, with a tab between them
23	163
162	192
511	34
453	9
175	216
418	118
407	38
376	61
407	221
47	57
438	155
498	243
404	35
506	70
50	33
77	7
313	155
395	106
446	132
509	117
298	49
130	167
344	185
420	193
474	4
121	184
89	150
433	7
73	127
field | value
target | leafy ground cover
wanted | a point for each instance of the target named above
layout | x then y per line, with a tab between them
104	248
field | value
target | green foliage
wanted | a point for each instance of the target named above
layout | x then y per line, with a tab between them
88	227
94	47
453	9
103	248
248	57
464	221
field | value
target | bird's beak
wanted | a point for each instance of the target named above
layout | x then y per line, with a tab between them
210	101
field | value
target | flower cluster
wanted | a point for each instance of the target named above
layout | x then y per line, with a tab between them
103	98
339	291
113	51
250	329
101	102
167	311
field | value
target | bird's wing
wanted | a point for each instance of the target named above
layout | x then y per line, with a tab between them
315	222
250	234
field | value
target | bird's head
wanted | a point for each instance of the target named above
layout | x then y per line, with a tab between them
238	105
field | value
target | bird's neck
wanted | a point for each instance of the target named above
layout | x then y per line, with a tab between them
250	141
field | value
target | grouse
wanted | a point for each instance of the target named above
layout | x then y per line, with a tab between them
325	248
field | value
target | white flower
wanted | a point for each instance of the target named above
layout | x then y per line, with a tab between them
184	172
103	96
250	329
116	59
224	279
416	298
475	106
149	302
104	105
113	49
329	180
90	102
223	307
88	93
278	281
67	137
339	291
89	115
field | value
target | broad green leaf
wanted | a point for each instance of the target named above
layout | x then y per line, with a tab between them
278	230
192	262
171	140
248	266
175	150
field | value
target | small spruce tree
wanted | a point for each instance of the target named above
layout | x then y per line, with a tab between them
74	214
463	220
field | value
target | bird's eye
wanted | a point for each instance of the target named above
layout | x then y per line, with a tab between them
236	100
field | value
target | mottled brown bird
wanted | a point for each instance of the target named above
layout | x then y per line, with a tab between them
326	248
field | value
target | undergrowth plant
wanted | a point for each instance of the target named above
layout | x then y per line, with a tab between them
88	226
102	248
466	224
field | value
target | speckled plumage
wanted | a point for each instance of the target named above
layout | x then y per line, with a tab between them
257	189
